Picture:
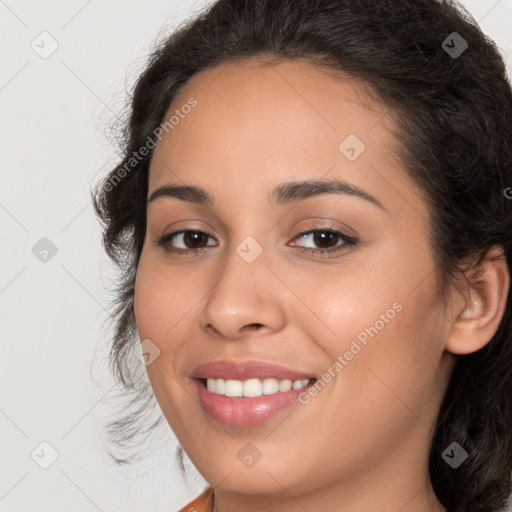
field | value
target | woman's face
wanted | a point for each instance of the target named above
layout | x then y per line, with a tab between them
363	319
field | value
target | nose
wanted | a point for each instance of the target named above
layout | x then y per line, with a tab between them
244	300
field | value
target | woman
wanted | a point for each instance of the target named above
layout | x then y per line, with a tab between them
313	229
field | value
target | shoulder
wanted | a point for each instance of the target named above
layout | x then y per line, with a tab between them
203	503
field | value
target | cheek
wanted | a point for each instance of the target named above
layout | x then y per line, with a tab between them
340	303
160	306
163	295
145	300
381	319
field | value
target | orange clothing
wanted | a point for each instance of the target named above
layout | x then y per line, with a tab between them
203	503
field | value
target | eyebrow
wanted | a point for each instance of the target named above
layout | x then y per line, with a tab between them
282	194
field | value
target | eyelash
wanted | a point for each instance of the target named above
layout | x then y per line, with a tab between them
348	241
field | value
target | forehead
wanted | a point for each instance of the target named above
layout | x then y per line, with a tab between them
272	105
254	123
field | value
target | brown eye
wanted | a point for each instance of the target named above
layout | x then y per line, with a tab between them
193	240
326	240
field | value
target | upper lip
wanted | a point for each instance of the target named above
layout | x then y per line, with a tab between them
236	370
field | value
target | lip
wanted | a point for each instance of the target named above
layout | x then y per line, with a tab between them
245	411
236	370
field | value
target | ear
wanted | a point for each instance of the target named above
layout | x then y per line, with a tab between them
480	307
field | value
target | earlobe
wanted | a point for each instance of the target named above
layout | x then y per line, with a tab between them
484	305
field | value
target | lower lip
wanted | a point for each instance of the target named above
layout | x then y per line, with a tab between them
246	411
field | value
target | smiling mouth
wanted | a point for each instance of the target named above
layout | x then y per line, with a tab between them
249	402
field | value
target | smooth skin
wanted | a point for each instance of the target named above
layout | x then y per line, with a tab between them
362	443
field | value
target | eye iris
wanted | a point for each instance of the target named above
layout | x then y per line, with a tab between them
191	237
320	238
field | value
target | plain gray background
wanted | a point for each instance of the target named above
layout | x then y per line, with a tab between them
56	109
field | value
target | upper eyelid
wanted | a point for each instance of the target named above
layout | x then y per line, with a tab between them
227	230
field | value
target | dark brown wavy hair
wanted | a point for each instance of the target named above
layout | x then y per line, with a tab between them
454	115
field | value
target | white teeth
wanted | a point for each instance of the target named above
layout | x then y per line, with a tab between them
270	386
297	384
285	385
234	388
252	387
220	386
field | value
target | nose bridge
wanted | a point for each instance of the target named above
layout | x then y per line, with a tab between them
244	293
